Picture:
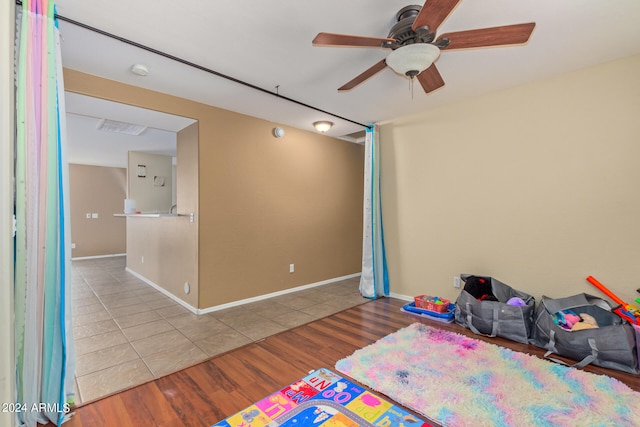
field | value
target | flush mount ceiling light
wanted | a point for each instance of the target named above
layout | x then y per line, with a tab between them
412	59
140	70
120	127
322	125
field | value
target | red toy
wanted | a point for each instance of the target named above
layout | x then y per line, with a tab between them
625	312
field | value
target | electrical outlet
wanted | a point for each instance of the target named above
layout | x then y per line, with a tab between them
73	245
291	268
88	216
456	282
94	216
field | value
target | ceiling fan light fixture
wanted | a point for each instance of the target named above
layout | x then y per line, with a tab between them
412	59
323	125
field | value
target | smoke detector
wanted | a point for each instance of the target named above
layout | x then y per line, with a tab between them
140	70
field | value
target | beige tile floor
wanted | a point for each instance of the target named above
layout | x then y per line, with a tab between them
126	332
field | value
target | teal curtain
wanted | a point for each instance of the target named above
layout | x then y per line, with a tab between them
45	356
374	281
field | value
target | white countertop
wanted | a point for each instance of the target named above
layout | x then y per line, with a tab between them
149	215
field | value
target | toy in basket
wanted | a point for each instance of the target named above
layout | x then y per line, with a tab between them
427	302
446	316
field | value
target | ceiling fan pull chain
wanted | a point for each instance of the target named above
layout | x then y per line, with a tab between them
411	87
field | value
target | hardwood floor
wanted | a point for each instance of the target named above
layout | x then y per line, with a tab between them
210	391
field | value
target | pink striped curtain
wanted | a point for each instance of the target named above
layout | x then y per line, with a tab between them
44	344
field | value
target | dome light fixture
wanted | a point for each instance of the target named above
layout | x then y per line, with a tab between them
322	125
412	59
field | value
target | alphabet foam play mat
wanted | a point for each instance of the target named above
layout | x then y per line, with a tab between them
323	398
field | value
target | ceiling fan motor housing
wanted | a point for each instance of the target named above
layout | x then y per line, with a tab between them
402	31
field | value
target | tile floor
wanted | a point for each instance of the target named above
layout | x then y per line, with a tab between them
127	333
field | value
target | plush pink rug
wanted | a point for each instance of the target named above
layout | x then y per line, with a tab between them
460	381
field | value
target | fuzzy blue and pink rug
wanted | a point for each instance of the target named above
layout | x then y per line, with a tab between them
460	381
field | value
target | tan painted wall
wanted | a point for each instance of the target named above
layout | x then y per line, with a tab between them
187	169
101	190
165	250
536	186
149	197
272	202
264	202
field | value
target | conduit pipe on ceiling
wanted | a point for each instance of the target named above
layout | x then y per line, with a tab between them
199	67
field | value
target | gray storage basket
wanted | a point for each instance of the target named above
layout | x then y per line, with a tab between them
496	318
612	345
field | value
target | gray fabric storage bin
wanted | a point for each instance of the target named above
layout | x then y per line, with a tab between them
612	345
496	318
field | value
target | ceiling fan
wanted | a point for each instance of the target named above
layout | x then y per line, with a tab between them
415	46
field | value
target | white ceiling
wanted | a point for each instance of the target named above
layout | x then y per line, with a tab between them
268	44
89	146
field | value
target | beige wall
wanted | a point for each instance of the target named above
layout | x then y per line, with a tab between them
536	186
165	250
149	196
7	110
187	186
264	203
101	190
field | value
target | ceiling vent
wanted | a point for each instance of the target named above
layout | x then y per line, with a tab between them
120	127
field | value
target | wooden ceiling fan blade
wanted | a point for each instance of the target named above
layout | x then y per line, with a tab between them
330	39
430	79
433	14
371	71
495	36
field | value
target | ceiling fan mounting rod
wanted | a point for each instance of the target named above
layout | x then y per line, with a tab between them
199	67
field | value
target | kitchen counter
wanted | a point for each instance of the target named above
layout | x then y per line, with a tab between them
149	215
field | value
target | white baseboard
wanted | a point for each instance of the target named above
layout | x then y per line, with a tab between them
400	296
159	288
96	257
239	302
275	294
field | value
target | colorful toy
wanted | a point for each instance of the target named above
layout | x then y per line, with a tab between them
566	319
571	319
518	302
628	312
587	322
431	303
